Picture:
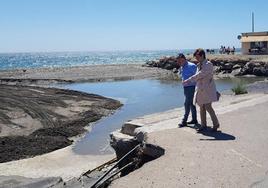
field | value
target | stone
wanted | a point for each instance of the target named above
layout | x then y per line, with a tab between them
168	66
237	66
122	143
129	128
260	71
236	72
175	70
141	136
153	150
227	66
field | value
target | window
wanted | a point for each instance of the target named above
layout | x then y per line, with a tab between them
258	45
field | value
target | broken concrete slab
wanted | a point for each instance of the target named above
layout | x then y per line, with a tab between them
22	182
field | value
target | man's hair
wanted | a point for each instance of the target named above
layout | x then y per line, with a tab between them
181	55
200	52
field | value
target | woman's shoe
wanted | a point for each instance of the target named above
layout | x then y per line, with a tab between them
215	128
202	128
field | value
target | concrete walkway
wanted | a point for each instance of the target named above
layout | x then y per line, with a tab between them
235	157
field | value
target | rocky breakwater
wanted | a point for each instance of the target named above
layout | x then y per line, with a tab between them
168	62
235	65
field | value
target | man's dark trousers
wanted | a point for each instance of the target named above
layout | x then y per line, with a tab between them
188	104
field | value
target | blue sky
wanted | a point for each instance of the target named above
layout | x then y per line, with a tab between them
87	25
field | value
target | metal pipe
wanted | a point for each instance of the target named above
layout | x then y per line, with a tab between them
115	165
253	26
99	167
124	167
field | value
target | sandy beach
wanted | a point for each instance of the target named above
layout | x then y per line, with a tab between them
93	73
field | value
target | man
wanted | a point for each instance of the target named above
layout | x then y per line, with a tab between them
188	69
206	92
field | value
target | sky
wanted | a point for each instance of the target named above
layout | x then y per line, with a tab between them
107	25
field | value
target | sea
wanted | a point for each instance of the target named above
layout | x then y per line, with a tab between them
68	59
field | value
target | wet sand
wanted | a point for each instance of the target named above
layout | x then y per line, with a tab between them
36	120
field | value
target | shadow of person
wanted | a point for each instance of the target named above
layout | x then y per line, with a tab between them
215	135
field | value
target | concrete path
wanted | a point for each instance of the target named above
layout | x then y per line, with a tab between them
235	157
62	163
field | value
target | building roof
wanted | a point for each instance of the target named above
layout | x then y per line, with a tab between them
262	33
254	38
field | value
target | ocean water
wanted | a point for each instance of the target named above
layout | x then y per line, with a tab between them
67	59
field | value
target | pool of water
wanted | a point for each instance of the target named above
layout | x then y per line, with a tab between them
140	97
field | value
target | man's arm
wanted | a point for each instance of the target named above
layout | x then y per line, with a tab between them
206	70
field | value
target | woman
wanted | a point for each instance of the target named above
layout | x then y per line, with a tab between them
206	92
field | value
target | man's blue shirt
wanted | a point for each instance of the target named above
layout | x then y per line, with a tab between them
188	70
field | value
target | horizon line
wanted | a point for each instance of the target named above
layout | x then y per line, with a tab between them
119	50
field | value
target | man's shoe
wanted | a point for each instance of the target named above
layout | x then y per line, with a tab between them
193	122
182	124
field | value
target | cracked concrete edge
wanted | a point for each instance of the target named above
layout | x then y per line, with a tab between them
140	127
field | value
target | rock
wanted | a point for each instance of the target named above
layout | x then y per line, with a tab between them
141	136
175	70
250	65
237	66
260	71
247	69
168	66
129	128
221	63
217	69
227	66
153	151
150	63
236	72
122	143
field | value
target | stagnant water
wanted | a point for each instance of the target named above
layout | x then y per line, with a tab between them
139	97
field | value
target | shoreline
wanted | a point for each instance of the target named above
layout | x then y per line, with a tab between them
92	73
